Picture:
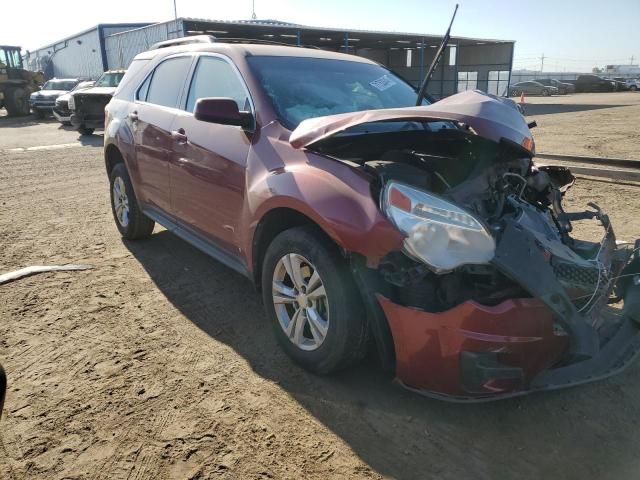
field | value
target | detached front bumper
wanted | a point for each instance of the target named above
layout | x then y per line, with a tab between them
474	352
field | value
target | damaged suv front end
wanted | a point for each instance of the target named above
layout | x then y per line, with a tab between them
489	294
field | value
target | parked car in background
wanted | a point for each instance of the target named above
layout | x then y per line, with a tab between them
61	109
427	231
563	87
531	88
87	106
43	101
594	83
633	84
620	85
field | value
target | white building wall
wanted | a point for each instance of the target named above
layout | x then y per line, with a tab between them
76	57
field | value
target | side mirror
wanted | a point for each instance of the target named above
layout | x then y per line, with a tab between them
223	111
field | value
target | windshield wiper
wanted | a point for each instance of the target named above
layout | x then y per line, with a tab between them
445	41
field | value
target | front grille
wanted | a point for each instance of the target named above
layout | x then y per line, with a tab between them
91	105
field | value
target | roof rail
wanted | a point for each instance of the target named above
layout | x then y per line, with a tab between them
184	41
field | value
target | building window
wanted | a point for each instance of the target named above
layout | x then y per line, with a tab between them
498	82
452	55
467	81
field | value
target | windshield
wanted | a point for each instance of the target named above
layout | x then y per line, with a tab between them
82	85
65	85
109	79
301	88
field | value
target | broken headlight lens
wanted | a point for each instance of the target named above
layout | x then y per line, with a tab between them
438	233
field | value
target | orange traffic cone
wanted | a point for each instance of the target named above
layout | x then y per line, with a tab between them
522	98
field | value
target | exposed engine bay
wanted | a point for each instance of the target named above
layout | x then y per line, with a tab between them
499	184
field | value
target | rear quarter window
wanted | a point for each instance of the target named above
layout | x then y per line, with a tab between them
167	81
132	73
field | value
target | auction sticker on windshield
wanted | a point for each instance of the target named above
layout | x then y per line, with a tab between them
382	83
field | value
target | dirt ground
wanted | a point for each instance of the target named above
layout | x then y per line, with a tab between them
591	124
159	363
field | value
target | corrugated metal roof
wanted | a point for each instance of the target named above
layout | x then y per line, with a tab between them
277	23
287	25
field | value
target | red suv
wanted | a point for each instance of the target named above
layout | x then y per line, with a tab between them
427	231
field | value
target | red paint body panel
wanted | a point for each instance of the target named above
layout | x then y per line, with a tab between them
428	345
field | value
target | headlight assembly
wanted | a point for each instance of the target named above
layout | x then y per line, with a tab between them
438	233
72	103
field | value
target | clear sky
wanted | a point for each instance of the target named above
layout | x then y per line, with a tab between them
572	34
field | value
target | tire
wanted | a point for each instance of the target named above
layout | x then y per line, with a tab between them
39	114
85	131
136	225
633	88
545	93
341	307
17	102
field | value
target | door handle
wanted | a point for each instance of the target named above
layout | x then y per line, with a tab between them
179	136
133	116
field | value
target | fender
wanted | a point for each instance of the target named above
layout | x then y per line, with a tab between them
335	196
118	133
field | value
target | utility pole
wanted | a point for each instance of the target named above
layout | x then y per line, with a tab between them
542	63
175	12
632	57
253	10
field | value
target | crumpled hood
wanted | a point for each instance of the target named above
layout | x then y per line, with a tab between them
489	116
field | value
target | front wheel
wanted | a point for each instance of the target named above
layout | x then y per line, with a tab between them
17	102
633	88
545	93
312	302
130	220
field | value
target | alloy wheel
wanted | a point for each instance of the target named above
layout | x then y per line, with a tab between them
300	301
120	202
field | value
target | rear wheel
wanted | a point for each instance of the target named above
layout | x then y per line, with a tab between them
312	302
85	131
17	102
130	220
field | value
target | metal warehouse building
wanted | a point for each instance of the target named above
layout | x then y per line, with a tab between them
80	55
469	63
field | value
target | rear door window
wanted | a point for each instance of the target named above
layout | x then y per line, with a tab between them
167	81
215	77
